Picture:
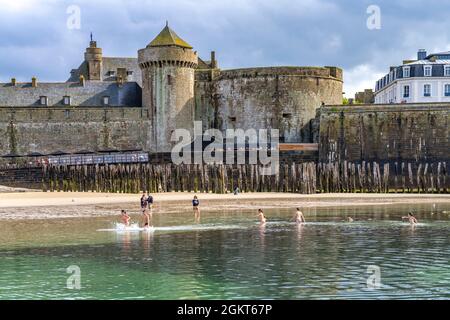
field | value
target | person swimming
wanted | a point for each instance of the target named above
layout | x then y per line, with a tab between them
195	206
125	218
411	218
261	216
298	217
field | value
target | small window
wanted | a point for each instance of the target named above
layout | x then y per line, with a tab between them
106	100
447	90
406	91
43	100
111	73
233	119
67	101
169	79
427	71
447	71
427	90
406	72
129	73
287	115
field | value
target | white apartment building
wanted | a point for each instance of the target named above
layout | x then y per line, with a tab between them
426	79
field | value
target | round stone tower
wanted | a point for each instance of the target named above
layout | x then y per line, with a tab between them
93	57
168	64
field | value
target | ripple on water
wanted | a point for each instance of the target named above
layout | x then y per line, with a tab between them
238	260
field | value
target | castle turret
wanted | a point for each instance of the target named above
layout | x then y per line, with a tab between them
93	58
168	65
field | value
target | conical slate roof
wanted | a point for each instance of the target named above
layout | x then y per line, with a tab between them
168	37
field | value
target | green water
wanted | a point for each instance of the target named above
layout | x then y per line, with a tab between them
230	256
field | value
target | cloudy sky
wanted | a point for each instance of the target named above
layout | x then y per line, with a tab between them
35	39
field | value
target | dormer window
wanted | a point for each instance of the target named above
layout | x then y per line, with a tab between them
106	101
406	72
427	71
111	73
447	71
67	101
43	100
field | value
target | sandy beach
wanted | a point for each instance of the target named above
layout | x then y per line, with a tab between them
40	205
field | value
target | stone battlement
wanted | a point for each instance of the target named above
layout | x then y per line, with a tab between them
357	108
319	72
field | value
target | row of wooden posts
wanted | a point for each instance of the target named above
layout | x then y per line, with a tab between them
305	178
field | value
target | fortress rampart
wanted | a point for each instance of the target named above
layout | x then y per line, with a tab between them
284	98
46	130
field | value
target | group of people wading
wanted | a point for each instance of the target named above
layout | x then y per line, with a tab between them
147	212
146	208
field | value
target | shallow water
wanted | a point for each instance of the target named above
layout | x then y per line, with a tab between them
230	256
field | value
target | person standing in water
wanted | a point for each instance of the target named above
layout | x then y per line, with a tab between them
143	201
125	218
410	218
195	206
299	218
261	216
144	210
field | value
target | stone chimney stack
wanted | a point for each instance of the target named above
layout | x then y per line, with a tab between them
421	54
13	82
213	60
34	82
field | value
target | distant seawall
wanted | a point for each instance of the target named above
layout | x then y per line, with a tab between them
385	133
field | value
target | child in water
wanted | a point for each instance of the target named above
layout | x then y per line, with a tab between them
410	218
261	216
125	218
298	217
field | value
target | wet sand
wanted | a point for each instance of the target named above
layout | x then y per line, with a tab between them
40	205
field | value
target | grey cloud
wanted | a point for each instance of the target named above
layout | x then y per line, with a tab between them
244	33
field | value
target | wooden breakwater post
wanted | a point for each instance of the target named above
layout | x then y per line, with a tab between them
306	178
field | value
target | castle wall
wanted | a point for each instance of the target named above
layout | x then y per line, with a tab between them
46	130
405	132
206	98
284	98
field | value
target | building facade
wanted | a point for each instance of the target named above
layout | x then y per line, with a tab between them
424	80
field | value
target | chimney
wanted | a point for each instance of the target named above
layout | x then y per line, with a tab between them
213	60
421	54
34	82
82	81
13	82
